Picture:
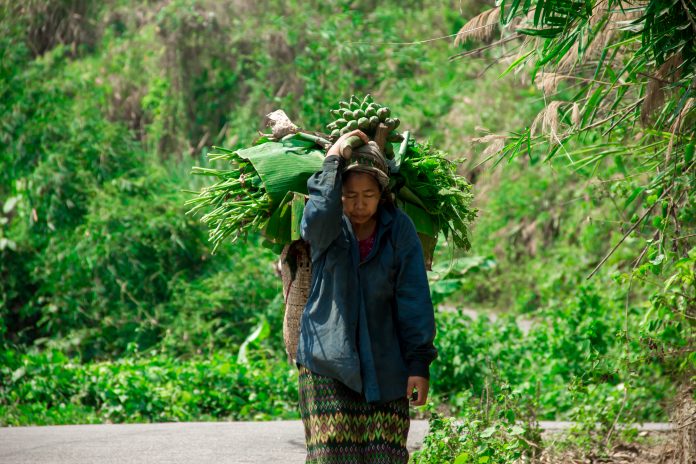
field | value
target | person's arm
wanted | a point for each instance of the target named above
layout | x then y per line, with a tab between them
321	221
416	318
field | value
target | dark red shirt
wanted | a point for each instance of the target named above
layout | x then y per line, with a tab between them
366	245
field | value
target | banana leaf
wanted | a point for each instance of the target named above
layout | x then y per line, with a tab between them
284	166
283	226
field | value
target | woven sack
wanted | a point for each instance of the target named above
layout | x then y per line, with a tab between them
296	272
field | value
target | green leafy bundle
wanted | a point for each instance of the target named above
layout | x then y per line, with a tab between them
247	196
430	181
266	187
239	198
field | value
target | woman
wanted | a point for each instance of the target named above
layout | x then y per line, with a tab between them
366	334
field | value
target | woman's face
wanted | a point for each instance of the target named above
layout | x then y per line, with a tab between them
361	197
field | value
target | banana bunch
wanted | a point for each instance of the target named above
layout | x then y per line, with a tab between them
366	115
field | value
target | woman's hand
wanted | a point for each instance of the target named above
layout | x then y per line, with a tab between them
337	148
420	384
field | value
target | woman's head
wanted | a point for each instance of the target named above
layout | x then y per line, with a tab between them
369	158
361	196
365	182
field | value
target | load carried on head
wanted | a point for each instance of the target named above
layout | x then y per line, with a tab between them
263	189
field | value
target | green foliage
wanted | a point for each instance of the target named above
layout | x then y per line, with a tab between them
60	152
537	215
595	416
217	310
575	348
109	269
667	328
431	180
49	388
490	435
112	308
625	64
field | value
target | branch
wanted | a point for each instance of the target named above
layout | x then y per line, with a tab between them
688	14
485	47
645	249
616	420
686	425
530	443
628	233
684	236
628	109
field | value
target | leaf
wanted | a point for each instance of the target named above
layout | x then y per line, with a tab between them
10	204
516	430
636	191
260	332
283	168
18	374
515	63
488	432
463	458
445	287
279	228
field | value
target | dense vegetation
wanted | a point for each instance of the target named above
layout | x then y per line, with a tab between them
114	309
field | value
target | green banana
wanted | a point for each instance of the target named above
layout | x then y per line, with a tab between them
364	114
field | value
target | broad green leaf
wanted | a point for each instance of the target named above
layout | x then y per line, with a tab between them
516	430
283	168
18	374
260	332
10	204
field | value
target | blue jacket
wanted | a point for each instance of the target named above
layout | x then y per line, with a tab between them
371	324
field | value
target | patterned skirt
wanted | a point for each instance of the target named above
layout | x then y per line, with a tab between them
341	427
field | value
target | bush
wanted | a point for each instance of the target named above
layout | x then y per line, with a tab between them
98	284
572	349
478	436
49	388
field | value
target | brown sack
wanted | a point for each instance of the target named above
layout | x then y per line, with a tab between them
296	272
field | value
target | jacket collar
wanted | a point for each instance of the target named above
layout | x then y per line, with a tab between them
386	215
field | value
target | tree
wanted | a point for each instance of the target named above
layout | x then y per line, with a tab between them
618	79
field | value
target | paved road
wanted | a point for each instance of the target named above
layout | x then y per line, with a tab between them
281	442
186	443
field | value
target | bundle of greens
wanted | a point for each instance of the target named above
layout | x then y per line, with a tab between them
428	180
264	187
239	199
247	196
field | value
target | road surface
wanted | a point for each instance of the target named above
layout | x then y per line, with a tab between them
280	442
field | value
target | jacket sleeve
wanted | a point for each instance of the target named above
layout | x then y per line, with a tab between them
323	213
416	317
